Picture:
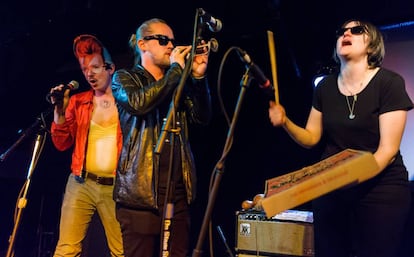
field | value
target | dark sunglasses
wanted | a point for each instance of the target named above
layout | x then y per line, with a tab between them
162	40
357	30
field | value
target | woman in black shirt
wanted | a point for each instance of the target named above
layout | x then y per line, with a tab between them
363	107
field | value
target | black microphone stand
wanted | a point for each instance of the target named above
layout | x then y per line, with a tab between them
38	147
169	126
219	168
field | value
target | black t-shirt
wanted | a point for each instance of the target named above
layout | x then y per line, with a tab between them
384	93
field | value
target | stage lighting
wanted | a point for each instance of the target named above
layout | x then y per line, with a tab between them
322	73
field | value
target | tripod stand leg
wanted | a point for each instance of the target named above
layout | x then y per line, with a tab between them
23	200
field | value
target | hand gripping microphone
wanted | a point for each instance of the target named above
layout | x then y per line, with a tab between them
73	85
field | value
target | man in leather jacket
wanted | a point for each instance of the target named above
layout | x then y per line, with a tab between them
143	95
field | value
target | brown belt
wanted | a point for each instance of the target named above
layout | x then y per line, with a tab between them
107	181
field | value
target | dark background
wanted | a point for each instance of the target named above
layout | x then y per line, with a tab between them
36	54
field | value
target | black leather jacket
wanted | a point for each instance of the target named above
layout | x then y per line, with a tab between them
139	97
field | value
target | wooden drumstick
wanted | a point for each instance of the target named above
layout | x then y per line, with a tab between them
272	53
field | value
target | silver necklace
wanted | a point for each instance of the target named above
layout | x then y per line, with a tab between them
351	107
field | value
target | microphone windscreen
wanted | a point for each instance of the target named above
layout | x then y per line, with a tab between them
74	84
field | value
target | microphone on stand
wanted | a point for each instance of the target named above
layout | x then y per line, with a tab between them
257	74
255	70
73	85
213	24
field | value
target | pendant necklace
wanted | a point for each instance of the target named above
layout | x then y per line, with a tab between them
105	104
351	107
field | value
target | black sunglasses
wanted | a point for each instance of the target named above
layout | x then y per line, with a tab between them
162	40
357	30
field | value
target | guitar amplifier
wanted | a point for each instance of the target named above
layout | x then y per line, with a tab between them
287	233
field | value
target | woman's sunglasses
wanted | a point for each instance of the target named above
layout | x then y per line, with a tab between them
162	40
357	30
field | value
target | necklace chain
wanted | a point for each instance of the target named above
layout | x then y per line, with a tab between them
351	107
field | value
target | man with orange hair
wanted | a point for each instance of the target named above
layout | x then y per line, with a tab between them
89	122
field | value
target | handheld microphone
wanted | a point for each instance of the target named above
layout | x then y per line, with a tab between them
256	72
213	24
73	85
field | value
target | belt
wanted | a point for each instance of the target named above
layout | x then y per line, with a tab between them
107	181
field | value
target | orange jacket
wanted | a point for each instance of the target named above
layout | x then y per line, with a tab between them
75	129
